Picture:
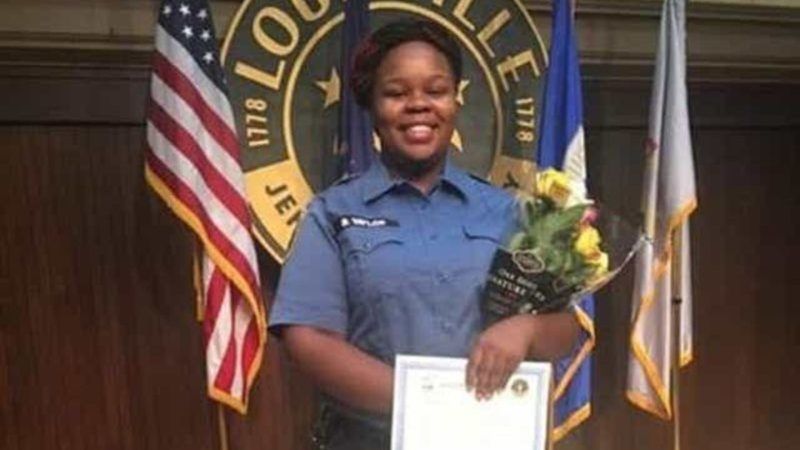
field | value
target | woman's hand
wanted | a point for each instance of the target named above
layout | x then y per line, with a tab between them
497	353
500	349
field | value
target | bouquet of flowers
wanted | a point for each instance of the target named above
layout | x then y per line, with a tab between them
566	246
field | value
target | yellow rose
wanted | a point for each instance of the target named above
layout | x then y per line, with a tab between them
588	241
588	245
554	185
600	263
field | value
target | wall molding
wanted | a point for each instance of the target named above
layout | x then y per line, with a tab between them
696	10
726	43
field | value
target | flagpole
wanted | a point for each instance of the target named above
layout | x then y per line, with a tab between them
223	428
677	300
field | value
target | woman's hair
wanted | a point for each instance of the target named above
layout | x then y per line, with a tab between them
373	49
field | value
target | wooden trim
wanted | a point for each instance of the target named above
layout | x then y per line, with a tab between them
727	43
697	10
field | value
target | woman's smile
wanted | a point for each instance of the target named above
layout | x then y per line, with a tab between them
420	133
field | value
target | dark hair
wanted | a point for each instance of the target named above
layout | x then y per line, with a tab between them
371	51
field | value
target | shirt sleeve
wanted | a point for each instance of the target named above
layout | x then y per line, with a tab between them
311	290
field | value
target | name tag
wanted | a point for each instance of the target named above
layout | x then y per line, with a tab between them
344	222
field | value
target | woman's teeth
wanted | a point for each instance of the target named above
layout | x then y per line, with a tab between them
419	131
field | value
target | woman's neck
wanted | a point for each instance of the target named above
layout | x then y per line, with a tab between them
423	175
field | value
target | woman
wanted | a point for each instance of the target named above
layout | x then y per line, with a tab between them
393	261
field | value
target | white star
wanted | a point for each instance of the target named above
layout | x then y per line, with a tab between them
206	35
167	10
185	9
187	31
203	14
208	57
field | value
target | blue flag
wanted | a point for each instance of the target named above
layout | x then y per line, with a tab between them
355	126
561	145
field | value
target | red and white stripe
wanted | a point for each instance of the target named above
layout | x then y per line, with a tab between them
192	161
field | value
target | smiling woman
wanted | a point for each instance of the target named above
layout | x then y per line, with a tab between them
399	254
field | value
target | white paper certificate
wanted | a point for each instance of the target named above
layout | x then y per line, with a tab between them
434	411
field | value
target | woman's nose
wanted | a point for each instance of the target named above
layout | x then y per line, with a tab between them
418	101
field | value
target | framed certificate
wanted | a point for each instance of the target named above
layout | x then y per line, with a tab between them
434	411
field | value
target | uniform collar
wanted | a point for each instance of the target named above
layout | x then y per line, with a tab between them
457	179
378	181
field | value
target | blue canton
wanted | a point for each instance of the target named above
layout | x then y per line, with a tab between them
189	22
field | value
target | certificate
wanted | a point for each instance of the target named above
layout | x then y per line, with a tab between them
434	411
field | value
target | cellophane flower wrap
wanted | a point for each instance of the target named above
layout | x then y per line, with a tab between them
558	252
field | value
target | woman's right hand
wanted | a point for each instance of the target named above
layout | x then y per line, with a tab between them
497	353
500	349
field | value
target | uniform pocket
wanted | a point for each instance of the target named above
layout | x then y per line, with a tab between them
374	261
481	241
372	256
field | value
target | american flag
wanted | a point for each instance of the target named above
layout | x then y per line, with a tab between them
192	162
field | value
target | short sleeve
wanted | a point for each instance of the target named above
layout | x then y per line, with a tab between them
311	290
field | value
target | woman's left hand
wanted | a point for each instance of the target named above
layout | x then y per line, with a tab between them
497	353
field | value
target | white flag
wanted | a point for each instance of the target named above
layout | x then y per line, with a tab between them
669	199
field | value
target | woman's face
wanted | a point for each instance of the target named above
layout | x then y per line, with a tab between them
414	103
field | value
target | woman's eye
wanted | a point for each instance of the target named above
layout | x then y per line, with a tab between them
438	91
393	91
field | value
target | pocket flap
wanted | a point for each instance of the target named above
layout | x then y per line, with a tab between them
366	240
492	230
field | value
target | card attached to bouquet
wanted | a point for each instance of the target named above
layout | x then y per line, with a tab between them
518	284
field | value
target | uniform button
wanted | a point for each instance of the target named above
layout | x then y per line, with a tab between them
433	236
442	277
447	326
367	245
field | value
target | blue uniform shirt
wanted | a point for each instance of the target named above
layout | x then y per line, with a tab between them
392	269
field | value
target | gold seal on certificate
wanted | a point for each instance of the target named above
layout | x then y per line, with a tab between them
434	411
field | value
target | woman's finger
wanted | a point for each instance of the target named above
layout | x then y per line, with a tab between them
497	374
491	365
475	360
